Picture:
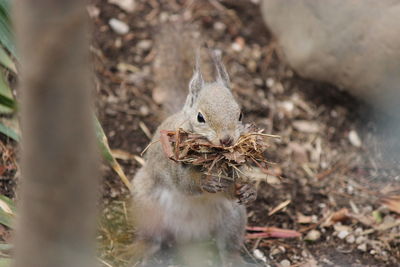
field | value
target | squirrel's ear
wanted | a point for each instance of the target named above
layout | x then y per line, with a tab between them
222	74
197	82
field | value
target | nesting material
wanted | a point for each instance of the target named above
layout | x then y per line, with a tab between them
214	160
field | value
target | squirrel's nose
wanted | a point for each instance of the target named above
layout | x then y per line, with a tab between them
226	141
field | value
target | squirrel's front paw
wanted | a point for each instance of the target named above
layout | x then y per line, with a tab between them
246	193
214	184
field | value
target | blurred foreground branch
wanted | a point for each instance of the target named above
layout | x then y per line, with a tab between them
56	221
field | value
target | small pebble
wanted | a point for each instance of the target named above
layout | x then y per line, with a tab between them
239	44
358	230
328	262
274	251
252	65
236	47
144	110
258	254
350	189
384	254
164	16
256	53
118	26
296	257
127	5
258	81
118	43
350	239
288	106
362	247
282	249
144	45
285	263
278	88
313	235
354	139
367	209
113	193
340	227
270	82
219	26
360	239
343	234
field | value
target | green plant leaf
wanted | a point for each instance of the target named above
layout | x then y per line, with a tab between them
7	211
5	91
6	60
5	8
9	126
9	132
6	36
5	246
6	98
4	109
5	262
6	219
10	203
7	102
107	154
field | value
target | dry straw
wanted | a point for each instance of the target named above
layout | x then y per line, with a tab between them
216	160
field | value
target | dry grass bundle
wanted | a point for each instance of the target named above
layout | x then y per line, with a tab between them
215	160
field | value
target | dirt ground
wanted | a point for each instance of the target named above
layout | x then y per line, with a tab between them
333	179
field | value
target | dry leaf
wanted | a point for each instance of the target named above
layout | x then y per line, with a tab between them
165	144
124	155
392	203
301	218
340	215
216	160
264	232
279	207
337	216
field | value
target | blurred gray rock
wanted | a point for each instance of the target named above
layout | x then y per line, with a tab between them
352	44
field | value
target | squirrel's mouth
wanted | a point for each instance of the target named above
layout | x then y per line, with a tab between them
224	141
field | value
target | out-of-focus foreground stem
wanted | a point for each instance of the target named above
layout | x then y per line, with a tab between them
57	215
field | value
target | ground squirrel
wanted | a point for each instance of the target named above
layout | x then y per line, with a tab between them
175	202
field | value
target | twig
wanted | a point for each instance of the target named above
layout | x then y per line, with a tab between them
279	207
147	147
104	262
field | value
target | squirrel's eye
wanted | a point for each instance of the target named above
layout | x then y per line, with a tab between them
200	118
241	116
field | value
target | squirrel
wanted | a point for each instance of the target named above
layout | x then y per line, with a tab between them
177	202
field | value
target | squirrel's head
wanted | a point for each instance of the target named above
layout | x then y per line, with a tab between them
211	109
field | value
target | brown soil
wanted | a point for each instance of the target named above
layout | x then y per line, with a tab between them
317	167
